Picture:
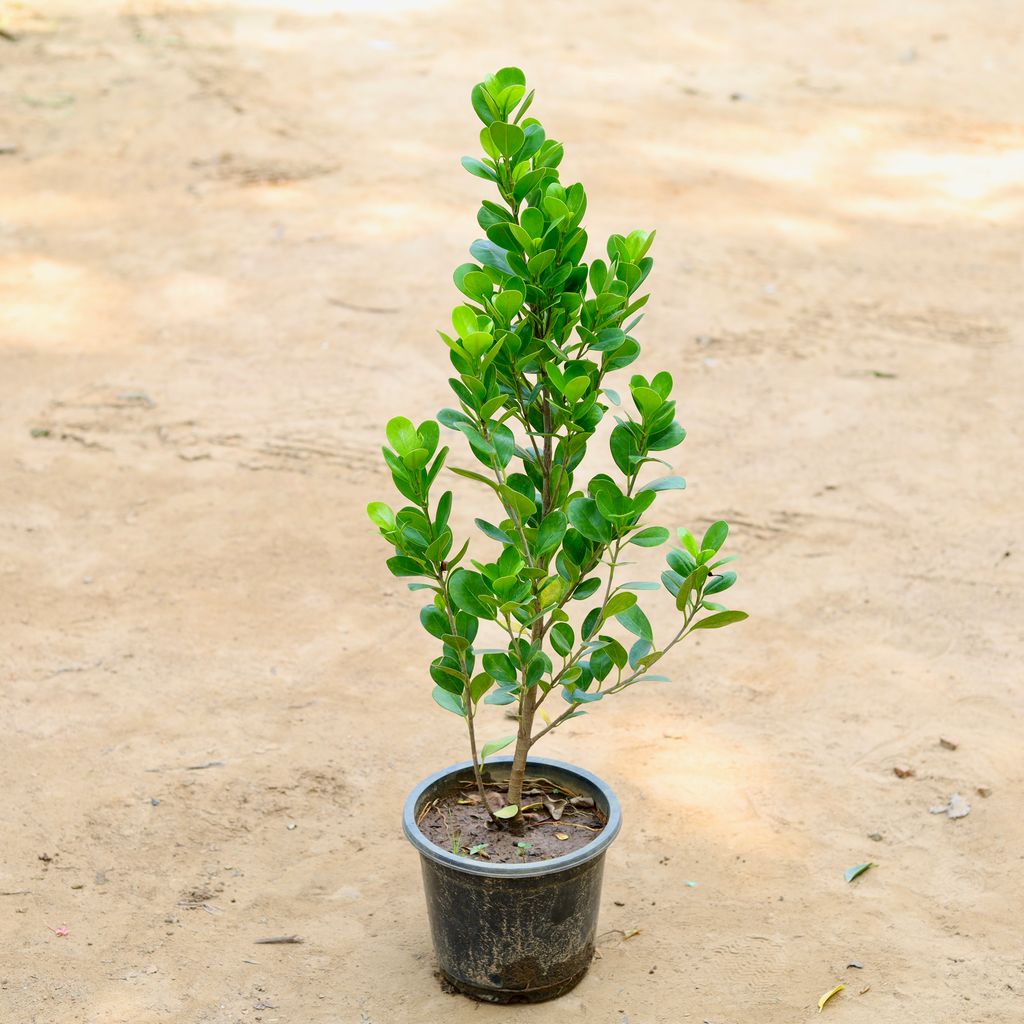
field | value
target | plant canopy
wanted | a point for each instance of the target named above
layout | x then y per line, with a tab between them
532	344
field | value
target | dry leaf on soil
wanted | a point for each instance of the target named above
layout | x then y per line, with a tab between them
828	995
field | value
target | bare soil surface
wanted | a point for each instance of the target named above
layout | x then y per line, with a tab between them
226	240
552	823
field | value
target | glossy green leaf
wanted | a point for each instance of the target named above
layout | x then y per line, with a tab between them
519	503
550	533
493	746
619	603
402	435
650	537
478	169
719	619
381	514
401	565
507	137
562	638
467	588
585	517
434	621
715	536
665	483
691	585
586	588
449	701
636	622
493	532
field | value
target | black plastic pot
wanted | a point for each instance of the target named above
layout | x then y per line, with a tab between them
513	933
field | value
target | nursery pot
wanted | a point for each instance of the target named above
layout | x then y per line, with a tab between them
513	933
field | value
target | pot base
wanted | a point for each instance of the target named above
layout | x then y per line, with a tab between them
506	996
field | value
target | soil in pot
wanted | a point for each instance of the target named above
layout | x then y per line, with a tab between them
554	821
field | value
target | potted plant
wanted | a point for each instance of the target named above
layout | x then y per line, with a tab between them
512	847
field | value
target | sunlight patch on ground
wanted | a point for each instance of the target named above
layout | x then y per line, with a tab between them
43	302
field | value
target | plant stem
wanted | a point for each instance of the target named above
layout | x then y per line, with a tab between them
467	696
528	699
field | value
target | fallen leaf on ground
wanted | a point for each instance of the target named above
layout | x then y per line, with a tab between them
561	835
858	869
948	744
631	933
902	773
828	995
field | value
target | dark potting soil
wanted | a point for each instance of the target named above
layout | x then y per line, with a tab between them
554	821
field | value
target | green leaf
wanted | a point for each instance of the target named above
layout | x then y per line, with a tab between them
493	532
576	388
689	542
715	536
550	532
434	621
494	746
504	444
647	401
539	263
402	435
508	811
479	169
508	303
521	504
470	475
402	565
484	106
490	255
501	667
692	584
466	588
636	622
623	447
585	517
858	869
586	588
449	702
651	537
721	582
508	138
718	620
562	638
619	603
666	483
381	514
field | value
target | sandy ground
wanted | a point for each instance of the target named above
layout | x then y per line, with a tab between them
226	238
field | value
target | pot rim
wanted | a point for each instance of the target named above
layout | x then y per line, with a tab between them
594	849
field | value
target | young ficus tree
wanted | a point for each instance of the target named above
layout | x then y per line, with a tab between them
532	344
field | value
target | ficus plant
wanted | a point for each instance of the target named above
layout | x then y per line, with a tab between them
532	344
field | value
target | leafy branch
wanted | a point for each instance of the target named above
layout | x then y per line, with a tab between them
539	332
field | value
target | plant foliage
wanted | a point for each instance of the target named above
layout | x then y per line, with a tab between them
532	344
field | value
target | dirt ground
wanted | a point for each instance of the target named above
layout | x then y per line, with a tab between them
227	233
